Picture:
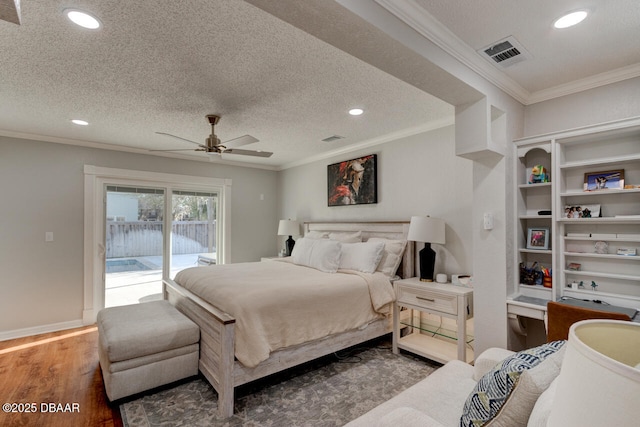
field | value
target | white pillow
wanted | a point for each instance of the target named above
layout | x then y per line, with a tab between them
346	237
317	235
391	256
363	256
321	254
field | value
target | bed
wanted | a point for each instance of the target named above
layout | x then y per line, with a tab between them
237	349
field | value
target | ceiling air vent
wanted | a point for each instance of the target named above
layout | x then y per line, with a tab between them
505	52
333	138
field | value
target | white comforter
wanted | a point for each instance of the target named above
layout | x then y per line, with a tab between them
279	304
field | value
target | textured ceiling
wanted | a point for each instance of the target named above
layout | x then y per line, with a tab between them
162	65
603	48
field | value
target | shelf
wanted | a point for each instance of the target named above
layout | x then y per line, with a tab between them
536	185
598	193
432	348
602	161
535	216
432	328
536	251
602	275
595	239
603	256
603	220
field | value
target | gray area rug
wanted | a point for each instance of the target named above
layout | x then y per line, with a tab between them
327	392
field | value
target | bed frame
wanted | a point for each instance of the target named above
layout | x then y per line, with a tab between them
217	359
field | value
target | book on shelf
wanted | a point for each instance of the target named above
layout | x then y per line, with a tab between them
574	266
604	235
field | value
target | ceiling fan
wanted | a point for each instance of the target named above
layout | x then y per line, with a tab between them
213	145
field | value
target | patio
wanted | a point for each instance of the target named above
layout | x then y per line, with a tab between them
139	279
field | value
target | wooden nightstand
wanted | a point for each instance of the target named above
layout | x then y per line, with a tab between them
429	339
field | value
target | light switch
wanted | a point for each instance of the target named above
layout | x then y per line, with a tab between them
48	236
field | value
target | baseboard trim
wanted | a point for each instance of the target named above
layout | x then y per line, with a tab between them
42	329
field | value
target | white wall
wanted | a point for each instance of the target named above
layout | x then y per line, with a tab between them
418	175
603	104
41	186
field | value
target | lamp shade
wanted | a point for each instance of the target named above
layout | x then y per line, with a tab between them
599	382
288	227
426	229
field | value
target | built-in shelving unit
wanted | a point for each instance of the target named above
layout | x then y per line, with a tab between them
583	252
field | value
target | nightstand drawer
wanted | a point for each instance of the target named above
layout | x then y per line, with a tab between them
428	299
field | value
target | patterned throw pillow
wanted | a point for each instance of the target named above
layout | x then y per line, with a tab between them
494	388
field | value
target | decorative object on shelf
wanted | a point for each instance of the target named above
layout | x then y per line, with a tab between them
596	181
574	266
428	230
290	228
441	278
353	182
544	212
530	275
601	247
627	251
538	238
582	211
538	175
594	286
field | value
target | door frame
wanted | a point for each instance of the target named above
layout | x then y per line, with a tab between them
95	180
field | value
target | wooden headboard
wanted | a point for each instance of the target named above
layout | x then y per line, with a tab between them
396	230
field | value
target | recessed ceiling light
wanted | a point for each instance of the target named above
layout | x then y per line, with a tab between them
570	19
356	111
79	122
82	19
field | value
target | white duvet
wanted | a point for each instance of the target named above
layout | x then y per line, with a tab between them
278	304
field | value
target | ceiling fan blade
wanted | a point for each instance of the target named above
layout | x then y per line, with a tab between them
240	141
247	152
181	138
183	149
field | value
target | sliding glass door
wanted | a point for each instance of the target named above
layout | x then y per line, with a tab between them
193	229
134	237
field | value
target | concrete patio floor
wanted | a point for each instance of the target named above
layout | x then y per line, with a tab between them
133	287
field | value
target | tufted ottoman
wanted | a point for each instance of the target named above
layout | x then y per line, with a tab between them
146	345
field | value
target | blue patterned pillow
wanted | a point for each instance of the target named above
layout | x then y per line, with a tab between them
495	386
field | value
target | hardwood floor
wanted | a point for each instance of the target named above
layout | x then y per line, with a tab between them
57	377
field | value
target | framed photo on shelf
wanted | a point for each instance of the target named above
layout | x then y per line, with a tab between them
596	181
538	238
581	211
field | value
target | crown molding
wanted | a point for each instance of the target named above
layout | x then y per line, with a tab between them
126	149
405	133
591	82
416	17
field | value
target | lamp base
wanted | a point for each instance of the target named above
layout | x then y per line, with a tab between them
427	263
289	246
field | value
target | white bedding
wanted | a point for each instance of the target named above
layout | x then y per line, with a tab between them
278	304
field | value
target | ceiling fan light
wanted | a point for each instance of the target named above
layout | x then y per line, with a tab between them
570	19
83	19
79	122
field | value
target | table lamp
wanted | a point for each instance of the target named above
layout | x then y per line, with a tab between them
599	382
289	228
428	230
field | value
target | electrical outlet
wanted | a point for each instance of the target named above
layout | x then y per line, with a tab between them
48	236
488	221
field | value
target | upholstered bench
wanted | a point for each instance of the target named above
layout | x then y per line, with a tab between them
146	345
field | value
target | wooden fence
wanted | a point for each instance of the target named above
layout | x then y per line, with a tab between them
144	238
